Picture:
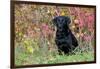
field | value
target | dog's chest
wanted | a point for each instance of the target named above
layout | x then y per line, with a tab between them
62	34
64	38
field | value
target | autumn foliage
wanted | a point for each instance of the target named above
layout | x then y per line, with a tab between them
35	32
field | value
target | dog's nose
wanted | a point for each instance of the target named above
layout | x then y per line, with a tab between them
60	29
59	25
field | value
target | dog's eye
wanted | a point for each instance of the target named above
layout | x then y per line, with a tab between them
58	20
63	21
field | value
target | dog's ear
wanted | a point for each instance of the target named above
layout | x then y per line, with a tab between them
55	21
68	20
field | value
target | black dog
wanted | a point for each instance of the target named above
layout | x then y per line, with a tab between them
65	40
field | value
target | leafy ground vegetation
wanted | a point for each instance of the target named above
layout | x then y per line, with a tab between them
35	34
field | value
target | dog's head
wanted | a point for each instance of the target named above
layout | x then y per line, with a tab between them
61	21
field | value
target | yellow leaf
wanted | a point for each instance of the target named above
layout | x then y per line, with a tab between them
26	42
77	34
30	49
20	33
73	26
62	13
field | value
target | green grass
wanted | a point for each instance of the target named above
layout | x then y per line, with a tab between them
24	58
72	58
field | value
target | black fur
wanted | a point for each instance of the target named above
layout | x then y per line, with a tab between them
65	40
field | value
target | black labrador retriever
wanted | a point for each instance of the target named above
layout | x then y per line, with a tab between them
65	40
